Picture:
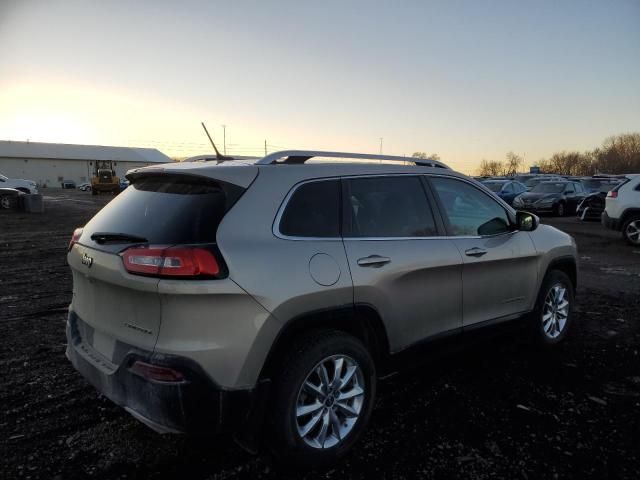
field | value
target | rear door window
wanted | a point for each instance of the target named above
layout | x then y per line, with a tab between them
313	211
166	210
385	207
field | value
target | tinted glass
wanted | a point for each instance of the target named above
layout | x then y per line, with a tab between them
549	187
470	212
389	207
508	188
166	210
494	186
313	211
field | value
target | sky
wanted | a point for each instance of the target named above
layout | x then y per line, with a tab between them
468	80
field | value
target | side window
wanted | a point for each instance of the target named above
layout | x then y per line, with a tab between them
470	211
569	189
508	188
313	211
389	207
579	187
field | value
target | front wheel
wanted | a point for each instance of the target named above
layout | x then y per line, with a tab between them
8	202
631	231
551	318
323	399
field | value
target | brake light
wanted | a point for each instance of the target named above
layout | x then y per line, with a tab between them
612	194
156	372
171	262
74	238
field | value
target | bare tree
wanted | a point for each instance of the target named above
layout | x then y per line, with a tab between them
424	156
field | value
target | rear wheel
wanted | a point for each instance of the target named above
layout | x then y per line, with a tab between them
552	317
323	399
631	230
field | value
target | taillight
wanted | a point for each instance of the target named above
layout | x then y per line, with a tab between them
612	194
171	262
74	238
156	372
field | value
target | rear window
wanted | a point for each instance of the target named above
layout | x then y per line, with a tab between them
166	210
313	211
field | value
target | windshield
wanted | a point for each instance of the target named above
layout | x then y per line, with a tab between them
494	186
548	187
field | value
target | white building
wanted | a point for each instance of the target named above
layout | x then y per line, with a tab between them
51	163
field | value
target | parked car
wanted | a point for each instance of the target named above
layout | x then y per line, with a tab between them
85	187
124	183
68	184
596	185
25	186
557	197
506	189
10	198
274	317
532	182
523	177
592	206
622	211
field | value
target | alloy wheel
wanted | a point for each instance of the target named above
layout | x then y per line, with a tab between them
330	401
555	311
632	231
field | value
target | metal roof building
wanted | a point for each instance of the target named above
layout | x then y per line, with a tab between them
51	163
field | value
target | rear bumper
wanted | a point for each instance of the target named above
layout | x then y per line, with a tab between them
194	405
611	223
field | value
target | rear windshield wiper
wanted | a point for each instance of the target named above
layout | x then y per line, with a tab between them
110	237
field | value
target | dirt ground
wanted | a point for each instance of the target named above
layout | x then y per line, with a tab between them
498	410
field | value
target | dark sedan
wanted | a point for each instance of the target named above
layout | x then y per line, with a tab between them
505	189
557	197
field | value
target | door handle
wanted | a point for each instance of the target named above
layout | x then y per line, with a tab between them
373	261
475	252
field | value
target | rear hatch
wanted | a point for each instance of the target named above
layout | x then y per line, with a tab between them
119	307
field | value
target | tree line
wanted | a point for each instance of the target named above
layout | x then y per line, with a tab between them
618	154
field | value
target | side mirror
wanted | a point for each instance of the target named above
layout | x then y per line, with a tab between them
526	222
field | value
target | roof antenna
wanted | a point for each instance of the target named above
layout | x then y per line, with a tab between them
219	156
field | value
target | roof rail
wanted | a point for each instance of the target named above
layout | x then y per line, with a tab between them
301	156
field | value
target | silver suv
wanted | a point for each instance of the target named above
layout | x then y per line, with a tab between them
265	297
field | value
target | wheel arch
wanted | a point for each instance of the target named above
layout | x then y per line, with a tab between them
360	320
566	265
627	214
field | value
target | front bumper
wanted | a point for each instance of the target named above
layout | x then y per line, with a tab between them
611	223
193	405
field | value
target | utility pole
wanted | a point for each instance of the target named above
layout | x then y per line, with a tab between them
380	145
265	148
224	139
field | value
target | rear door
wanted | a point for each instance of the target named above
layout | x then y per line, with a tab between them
399	261
117	309
499	274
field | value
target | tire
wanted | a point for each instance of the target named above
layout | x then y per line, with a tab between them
549	322
631	230
560	209
298	440
8	202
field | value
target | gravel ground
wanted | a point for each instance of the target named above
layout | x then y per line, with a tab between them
497	410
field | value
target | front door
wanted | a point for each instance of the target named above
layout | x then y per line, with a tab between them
500	272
